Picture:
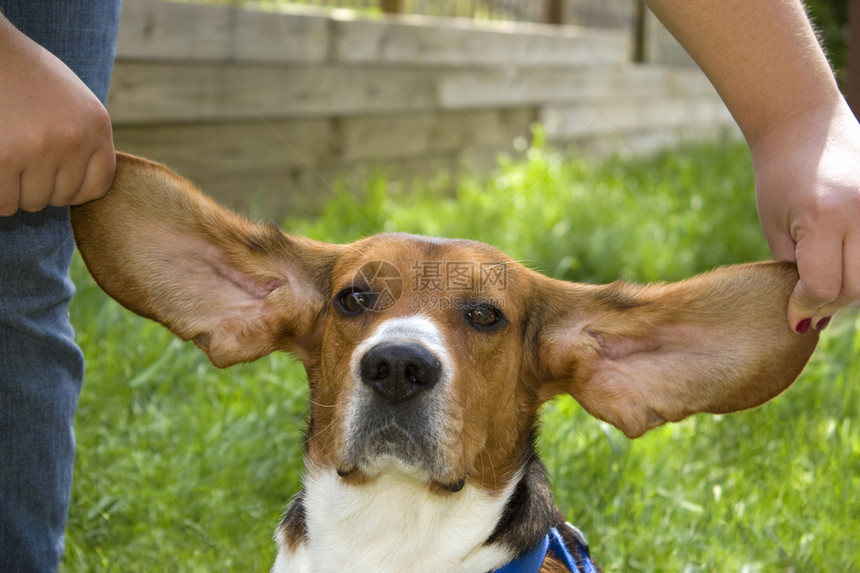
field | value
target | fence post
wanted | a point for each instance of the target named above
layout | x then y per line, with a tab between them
853	88
391	6
557	12
640	40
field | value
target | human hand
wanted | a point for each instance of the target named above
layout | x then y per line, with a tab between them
807	174
56	144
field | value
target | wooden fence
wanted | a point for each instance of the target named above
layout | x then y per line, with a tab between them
269	106
651	41
603	13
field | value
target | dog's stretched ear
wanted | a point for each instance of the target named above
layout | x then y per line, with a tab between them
640	356
238	289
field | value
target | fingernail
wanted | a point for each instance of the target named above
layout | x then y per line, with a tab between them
803	326
822	324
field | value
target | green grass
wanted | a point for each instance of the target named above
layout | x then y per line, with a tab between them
183	467
663	218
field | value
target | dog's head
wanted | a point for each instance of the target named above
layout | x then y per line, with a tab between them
430	357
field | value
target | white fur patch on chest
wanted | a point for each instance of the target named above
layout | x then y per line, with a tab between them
395	524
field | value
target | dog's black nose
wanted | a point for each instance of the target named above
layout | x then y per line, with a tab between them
399	371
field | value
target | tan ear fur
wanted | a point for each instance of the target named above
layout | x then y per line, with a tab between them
239	289
640	356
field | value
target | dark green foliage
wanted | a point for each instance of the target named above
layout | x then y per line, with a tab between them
831	22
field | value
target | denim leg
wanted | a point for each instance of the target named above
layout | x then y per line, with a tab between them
40	375
41	368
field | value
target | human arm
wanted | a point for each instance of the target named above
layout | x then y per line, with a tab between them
56	144
765	62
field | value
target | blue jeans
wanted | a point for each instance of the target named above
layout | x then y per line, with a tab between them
40	367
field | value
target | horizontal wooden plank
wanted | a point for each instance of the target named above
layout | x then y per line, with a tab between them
157	30
231	147
585	120
419	41
482	128
529	86
160	92
263	145
653	140
397	136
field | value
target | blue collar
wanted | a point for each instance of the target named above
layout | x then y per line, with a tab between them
576	558
531	561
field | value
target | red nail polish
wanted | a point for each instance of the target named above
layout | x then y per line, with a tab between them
822	324
803	326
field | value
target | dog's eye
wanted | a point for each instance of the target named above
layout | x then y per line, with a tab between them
484	317
351	302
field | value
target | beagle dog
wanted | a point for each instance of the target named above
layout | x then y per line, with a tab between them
427	361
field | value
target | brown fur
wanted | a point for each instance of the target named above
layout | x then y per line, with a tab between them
634	356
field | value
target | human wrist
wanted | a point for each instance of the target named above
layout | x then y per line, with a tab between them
812	126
